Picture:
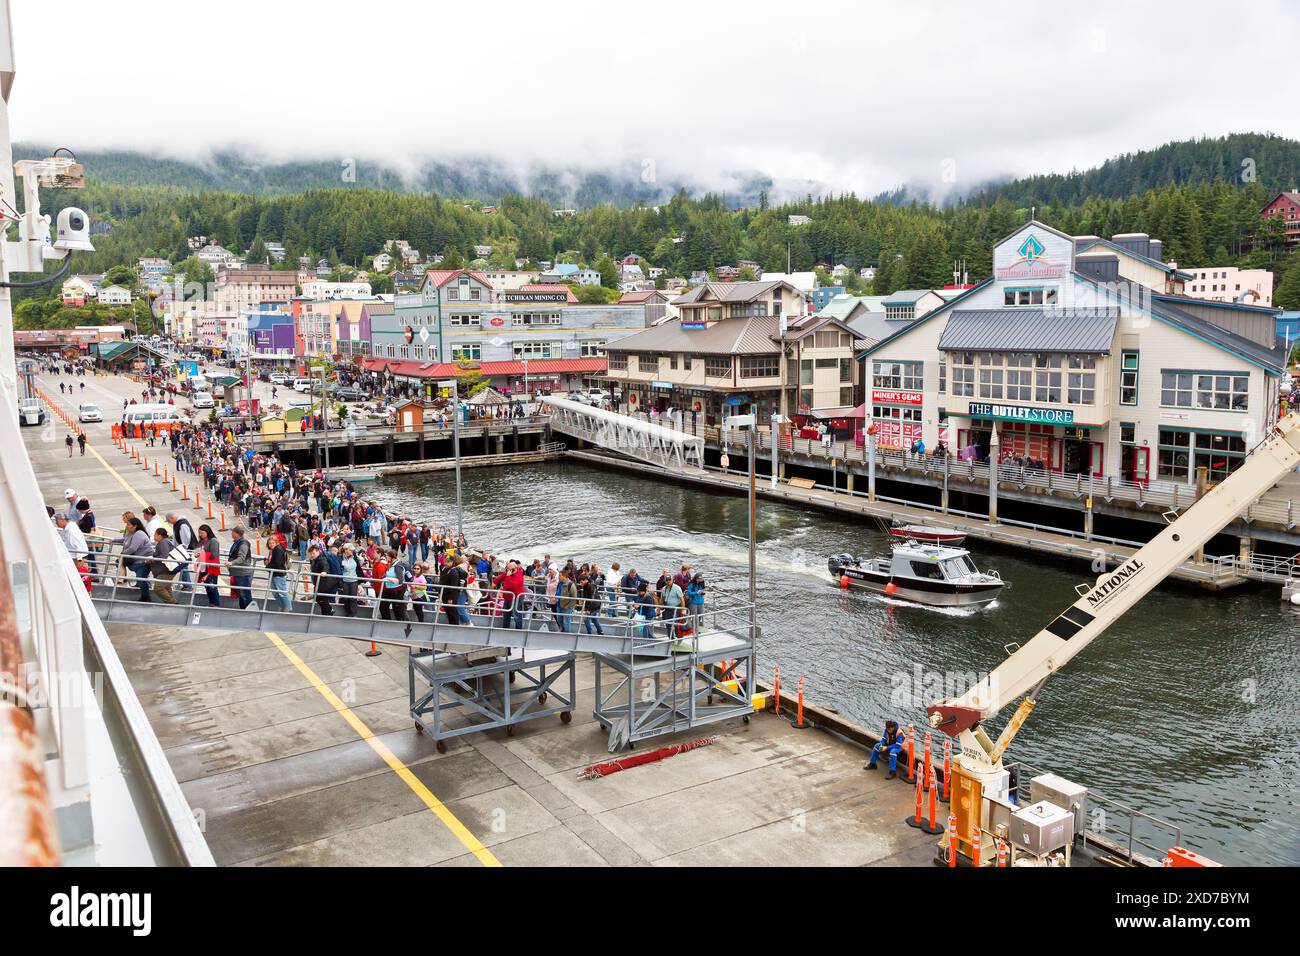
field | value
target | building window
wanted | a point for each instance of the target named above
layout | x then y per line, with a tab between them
686	361
464	319
672	361
943	376
618	361
846	395
1183	452
1017	297
963	374
1082	380
717	367
1047	378
760	366
469	351
846	370
908	376
1128	378
536	350
1218	391
591	348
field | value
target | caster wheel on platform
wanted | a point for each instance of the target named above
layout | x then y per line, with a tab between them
419	729
510	731
512	677
441	746
745	718
603	728
541	698
566	717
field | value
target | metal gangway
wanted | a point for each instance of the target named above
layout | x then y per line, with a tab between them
83	778
669	448
466	645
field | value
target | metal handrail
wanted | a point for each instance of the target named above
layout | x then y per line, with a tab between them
303	587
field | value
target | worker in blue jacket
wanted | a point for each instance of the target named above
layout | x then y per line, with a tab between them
891	740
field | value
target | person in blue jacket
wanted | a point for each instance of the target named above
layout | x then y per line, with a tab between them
695	601
891	740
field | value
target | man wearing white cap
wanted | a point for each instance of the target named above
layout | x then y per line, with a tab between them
71	497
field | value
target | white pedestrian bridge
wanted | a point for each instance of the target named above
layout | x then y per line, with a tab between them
668	448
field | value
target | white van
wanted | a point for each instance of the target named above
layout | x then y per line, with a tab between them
202	400
155	415
303	384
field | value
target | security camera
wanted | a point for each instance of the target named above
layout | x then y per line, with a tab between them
73	231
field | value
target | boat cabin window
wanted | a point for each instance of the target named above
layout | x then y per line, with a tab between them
927	569
959	567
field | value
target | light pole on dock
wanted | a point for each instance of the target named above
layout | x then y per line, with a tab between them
451	383
750	423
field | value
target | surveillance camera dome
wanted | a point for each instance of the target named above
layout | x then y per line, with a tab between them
73	231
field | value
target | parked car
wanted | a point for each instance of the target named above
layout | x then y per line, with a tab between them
348	393
303	384
202	400
280	378
30	412
89	412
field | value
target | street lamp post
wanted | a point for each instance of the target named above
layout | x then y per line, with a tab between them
455	442
325	416
750	422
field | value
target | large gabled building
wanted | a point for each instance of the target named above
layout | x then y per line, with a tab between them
1079	371
735	345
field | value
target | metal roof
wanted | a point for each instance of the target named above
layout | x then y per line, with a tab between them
1030	330
747	336
726	292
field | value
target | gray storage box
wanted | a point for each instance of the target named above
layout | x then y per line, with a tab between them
1064	794
1042	828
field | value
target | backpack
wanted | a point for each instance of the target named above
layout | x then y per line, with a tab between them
86	522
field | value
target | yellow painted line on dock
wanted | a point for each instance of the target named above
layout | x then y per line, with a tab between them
107	467
449	820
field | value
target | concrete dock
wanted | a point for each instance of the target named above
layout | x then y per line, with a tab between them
301	750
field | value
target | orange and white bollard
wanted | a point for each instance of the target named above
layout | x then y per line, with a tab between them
915	819
932	825
776	691
799	723
947	769
223	519
1002	853
925	760
952	840
374	650
210	514
975	846
911	752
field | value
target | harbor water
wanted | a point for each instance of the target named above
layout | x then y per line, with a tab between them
1185	708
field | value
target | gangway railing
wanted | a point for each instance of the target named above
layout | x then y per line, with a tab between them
293	601
669	448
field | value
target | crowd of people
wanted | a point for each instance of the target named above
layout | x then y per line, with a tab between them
319	539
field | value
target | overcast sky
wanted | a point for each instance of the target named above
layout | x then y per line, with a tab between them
864	97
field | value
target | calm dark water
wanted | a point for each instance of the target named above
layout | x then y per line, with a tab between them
1185	709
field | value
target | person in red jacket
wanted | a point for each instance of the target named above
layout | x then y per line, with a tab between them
511	583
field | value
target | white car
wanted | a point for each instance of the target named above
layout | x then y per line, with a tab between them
202	400
89	412
280	378
302	384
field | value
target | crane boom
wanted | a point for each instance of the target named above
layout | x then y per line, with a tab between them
1115	592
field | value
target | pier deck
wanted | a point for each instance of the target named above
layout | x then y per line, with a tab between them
299	749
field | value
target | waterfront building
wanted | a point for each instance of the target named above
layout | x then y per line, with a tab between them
457	316
319	289
1285	207
725	351
1230	284
1079	369
242	290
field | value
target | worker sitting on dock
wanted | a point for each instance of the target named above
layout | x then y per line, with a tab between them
892	741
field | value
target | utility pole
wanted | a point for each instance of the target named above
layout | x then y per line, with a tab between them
750	421
453	384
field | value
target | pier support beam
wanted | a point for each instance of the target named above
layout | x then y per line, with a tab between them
389	443
871	463
848	480
352	454
943	494
420	447
994	461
